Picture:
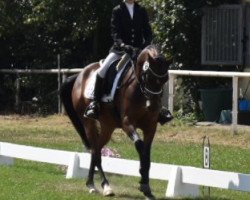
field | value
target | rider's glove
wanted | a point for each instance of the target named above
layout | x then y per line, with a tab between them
128	49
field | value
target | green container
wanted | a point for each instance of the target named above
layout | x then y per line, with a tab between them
214	101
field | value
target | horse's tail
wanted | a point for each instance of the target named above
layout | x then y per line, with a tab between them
65	93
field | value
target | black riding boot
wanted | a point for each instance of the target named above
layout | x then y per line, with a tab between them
164	116
92	111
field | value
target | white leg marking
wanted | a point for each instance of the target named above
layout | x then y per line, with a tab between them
107	191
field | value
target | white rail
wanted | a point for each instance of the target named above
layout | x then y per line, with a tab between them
41	71
59	72
183	181
234	75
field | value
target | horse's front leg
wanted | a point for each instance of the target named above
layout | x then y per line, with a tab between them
143	148
145	166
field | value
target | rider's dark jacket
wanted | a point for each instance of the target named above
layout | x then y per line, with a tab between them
135	32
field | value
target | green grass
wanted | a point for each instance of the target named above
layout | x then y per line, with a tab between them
175	143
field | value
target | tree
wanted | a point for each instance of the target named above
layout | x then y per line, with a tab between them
33	32
177	29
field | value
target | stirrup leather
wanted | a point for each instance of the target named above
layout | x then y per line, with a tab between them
92	111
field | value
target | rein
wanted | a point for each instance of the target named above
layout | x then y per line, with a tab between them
146	91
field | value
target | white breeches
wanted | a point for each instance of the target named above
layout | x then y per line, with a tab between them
112	57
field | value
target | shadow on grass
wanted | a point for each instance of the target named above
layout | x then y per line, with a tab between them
130	196
200	198
140	197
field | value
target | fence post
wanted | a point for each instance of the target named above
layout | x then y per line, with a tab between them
74	170
171	93
235	105
17	99
176	188
5	160
59	82
64	77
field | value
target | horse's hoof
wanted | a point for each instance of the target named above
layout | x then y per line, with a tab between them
150	197
107	191
93	190
145	189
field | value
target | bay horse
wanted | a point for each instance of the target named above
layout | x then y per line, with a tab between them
136	104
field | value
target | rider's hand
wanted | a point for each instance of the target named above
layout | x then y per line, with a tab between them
132	51
128	49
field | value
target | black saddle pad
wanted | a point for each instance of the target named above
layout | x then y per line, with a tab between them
111	74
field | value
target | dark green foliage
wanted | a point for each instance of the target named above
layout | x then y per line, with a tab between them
177	29
33	32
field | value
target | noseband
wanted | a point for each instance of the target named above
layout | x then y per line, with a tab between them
147	70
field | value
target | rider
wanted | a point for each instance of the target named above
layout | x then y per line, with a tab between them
130	29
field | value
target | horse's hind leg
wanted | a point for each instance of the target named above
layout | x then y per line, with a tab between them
104	137
92	134
107	190
90	181
97	141
96	162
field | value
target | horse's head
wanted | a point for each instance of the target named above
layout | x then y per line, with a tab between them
152	71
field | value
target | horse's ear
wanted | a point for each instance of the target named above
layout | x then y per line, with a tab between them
150	58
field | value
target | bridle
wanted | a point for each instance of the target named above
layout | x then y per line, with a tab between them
148	71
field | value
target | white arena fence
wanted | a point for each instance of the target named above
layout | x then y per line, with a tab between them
183	181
